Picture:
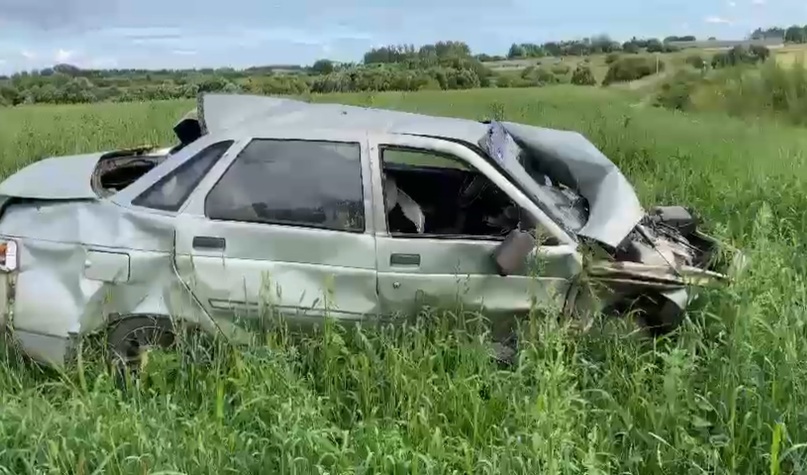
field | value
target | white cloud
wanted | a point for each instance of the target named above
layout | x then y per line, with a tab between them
63	56
759	2
2	61
717	20
184	52
731	3
28	54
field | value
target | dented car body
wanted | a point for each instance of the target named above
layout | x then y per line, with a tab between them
318	209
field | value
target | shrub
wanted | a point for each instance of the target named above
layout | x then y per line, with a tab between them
631	48
696	61
655	46
631	68
741	54
504	81
583	76
612	57
676	93
533	76
528	72
561	69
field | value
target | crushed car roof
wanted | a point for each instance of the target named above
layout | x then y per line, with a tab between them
222	112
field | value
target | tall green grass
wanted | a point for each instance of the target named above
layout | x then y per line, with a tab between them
726	395
772	90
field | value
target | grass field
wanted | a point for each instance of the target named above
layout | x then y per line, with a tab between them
727	395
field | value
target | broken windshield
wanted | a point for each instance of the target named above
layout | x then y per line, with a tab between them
561	203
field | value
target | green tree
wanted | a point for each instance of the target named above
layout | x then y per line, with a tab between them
655	46
516	51
630	47
796	34
322	66
10	95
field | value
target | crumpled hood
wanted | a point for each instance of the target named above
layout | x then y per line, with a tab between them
571	159
59	178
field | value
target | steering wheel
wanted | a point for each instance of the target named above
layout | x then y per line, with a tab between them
467	195
473	191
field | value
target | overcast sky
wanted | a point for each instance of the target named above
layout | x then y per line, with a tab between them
240	33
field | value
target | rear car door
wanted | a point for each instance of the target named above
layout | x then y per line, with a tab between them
281	223
439	263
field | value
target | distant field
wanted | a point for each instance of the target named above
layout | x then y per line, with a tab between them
785	55
727	396
515	66
791	54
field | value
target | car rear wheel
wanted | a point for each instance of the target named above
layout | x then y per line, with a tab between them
130	340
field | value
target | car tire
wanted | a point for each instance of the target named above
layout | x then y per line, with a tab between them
658	315
130	338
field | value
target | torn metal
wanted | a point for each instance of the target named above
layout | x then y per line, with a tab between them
497	216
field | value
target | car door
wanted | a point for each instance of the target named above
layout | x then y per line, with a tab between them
282	223
417	269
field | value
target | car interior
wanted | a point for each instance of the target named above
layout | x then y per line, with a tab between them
434	195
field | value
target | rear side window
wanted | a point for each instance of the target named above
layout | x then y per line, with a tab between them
171	191
293	182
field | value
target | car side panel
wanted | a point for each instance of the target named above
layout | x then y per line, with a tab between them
414	271
304	273
68	285
300	271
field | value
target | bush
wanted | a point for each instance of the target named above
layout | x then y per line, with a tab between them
583	76
504	81
696	61
655	46
533	76
612	58
676	93
631	68
561	69
631	48
741	54
774	90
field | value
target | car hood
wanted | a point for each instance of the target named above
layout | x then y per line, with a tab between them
59	178
570	159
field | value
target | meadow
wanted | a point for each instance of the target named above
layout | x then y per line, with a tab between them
725	394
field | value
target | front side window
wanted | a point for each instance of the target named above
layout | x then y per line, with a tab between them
171	191
431	194
294	182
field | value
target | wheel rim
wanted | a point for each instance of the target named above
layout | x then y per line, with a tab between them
135	345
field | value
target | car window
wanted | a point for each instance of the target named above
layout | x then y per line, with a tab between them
421	158
295	182
431	194
171	191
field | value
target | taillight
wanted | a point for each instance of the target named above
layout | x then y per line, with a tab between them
8	255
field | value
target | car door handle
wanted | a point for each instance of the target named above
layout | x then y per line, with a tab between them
404	260
209	242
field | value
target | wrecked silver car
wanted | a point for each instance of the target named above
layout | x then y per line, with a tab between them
321	209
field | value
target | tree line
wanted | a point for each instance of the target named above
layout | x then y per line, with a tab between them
442	65
792	34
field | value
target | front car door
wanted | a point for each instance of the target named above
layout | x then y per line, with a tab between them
432	262
281	222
